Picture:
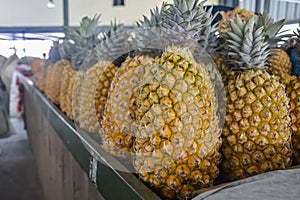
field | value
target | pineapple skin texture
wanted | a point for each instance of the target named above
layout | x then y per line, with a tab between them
280	61
292	84
76	92
117	137
224	71
93	95
66	75
256	135
69	95
55	81
294	94
41	82
177	139
49	73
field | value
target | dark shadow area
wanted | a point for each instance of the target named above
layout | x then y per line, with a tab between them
18	171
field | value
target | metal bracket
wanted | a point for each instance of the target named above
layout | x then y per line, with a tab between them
93	169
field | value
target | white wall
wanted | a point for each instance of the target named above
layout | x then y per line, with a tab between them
30	13
36	12
128	14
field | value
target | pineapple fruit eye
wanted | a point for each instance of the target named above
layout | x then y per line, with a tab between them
254	127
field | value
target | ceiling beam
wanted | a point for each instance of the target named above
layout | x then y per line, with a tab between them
66	12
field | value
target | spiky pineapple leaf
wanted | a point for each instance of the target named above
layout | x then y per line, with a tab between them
246	45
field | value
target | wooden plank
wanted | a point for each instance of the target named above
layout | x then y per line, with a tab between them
45	158
79	183
51	166
58	168
67	174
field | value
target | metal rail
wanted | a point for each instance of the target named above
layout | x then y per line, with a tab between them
87	152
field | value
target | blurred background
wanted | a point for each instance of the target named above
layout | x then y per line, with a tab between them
28	28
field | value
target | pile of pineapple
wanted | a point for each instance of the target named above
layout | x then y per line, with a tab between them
158	107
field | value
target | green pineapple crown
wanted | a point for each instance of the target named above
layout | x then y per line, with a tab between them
208	38
185	22
248	45
148	34
195	21
54	55
245	44
156	17
183	16
85	39
271	30
113	44
66	49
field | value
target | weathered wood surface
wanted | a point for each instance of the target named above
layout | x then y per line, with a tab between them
61	176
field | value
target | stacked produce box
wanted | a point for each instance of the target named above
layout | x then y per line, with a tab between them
153	97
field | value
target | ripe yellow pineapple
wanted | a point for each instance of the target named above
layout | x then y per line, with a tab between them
224	71
56	78
65	49
53	58
98	78
75	95
176	135
49	73
280	64
69	96
176	141
280	61
93	95
65	80
293	88
41	82
85	39
117	137
294	93
256	135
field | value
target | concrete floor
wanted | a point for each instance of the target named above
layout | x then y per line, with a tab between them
18	171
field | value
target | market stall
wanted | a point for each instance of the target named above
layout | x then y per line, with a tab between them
72	165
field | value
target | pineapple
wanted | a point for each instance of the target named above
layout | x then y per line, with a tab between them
98	78
69	93
65	50
224	71
48	81
41	83
280	64
56	79
54	57
224	26
231	15
117	137
65	81
256	135
294	93
57	76
177	137
74	92
182	152
85	39
280	61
